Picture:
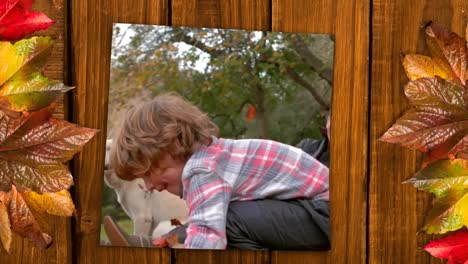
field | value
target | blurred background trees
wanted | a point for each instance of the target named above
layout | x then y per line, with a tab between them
252	84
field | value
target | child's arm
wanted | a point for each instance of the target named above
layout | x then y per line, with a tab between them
208	198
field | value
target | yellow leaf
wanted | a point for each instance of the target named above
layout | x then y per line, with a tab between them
25	53
5	227
59	203
461	208
419	66
8	54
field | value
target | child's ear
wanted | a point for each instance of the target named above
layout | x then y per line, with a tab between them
112	180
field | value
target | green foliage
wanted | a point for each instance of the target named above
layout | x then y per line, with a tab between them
224	72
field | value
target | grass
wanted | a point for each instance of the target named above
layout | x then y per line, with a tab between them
126	225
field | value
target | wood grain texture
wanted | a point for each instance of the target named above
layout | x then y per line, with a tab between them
237	14
59	228
91	32
349	22
397	211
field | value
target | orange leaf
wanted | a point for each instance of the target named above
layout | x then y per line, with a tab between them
419	66
59	203
5	227
448	50
22	220
250	113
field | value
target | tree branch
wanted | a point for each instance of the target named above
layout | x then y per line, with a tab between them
302	82
313	61
298	79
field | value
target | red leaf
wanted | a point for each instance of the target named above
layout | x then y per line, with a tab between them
251	113
453	247
19	23
26	4
16	21
6	6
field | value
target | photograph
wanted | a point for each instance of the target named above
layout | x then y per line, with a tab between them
217	139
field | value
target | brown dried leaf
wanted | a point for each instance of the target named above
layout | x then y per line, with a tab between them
5	227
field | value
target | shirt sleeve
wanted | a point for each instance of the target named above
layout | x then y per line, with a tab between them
208	197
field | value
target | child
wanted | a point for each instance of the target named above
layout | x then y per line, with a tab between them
248	193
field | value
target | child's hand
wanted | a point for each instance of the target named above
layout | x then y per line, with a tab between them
172	241
160	242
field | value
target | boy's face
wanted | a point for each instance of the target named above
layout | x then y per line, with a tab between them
166	175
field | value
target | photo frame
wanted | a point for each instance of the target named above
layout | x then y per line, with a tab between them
251	84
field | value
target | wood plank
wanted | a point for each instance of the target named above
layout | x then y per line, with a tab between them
24	251
238	14
397	211
349	22
91	31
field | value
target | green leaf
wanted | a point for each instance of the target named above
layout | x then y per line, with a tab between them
449	213
441	176
448	180
30	92
27	52
23	87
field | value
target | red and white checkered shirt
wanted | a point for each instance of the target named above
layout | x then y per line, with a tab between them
242	170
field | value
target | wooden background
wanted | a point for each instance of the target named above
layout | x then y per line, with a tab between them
374	217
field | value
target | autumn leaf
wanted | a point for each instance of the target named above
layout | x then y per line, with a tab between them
453	247
25	52
448	180
438	121
448	50
5	227
22	86
16	21
250	113
33	149
23	222
442	176
419	66
449	213
59	203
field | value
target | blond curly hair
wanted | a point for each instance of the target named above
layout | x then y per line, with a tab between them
167	124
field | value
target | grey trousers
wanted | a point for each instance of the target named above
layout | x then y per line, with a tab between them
297	224
282	225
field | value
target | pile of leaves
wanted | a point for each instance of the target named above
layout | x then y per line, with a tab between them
437	124
34	147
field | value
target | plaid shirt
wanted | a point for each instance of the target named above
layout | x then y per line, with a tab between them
243	170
